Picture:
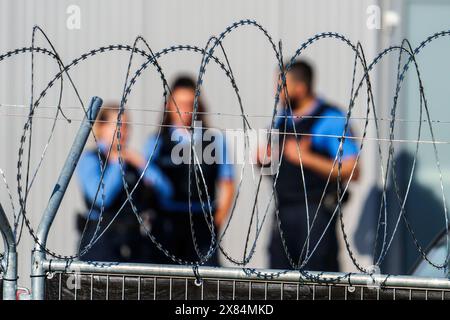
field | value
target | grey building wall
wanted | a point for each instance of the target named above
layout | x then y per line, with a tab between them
162	24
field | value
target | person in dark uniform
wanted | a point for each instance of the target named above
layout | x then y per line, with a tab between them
318	125
176	199
123	241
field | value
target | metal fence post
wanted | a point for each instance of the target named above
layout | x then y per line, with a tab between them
38	255
10	262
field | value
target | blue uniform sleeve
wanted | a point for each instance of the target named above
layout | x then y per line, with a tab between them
280	118
89	174
153	175
327	133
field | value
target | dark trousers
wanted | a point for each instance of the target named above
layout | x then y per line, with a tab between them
121	242
173	231
295	230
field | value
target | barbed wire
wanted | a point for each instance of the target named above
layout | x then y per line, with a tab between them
196	176
263	130
209	113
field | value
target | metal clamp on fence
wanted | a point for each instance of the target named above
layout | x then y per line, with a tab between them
9	263
198	280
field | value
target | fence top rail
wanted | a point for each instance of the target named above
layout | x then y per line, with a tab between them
248	274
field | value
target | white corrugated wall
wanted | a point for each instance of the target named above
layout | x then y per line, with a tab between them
163	23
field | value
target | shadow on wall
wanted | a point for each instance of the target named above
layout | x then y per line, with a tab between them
423	209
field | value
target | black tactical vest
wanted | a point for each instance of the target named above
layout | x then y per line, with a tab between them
178	174
289	187
123	241
142	196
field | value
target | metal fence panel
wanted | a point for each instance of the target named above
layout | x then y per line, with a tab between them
97	281
91	286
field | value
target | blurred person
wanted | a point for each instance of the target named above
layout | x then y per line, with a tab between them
123	241
170	177
319	126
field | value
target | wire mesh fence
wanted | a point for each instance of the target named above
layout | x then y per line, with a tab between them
153	282
90	286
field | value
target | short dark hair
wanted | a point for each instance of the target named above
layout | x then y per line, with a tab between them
302	71
185	82
107	110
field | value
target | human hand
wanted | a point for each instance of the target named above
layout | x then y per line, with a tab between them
296	149
132	157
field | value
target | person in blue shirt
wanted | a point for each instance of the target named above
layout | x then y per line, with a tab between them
168	172
123	241
319	127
